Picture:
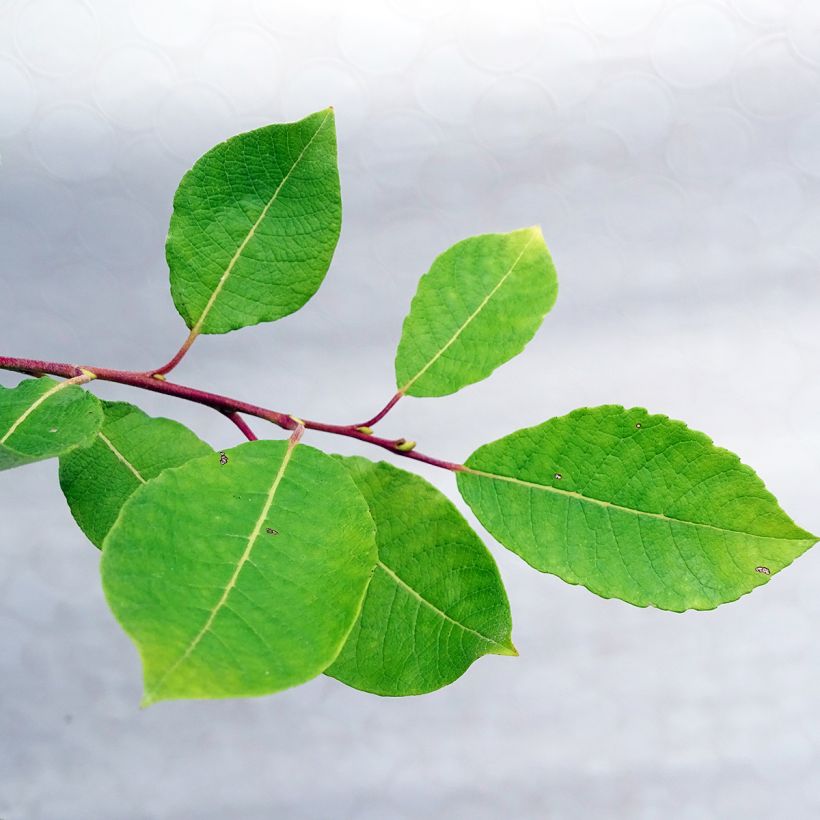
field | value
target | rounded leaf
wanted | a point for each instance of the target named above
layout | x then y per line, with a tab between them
255	224
240	573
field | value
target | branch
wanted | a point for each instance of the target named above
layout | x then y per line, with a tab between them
224	404
383	412
178	356
242	425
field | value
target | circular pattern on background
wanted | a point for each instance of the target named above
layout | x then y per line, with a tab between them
500	40
424	9
446	85
771	197
763	12
118	231
647	209
804	31
615	104
741	313
533	203
804	145
173	22
694	45
567	64
129	83
458	174
373	38
192	118
73	142
712	144
294	19
511	115
39	201
56	36
394	148
241	62
584	158
18	96
770	82
617	18
317	85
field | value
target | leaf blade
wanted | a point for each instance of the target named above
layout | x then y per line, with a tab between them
436	602
255	224
130	449
42	418
450	337
240	578
632	506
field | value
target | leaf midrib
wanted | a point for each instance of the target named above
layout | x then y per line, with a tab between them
120	457
417	595
243	559
32	407
611	505
198	325
470	318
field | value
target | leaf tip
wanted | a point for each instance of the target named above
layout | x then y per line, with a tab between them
508	648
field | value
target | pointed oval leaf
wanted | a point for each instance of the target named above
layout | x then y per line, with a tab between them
255	224
633	506
477	307
435	603
240	573
129	450
42	418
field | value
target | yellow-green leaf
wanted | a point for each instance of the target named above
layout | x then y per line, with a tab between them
633	506
477	307
240	573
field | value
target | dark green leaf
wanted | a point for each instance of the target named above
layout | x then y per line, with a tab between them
436	602
42	418
255	224
129	450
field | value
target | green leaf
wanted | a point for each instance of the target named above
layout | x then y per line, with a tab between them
476	308
255	224
240	573
42	418
129	450
632	506
436	602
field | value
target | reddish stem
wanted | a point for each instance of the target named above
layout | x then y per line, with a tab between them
178	357
223	404
383	412
242	425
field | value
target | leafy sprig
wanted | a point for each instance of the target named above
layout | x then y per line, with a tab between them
246	571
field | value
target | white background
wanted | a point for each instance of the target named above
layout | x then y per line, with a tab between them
671	153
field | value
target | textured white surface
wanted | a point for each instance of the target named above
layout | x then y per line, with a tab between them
671	152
